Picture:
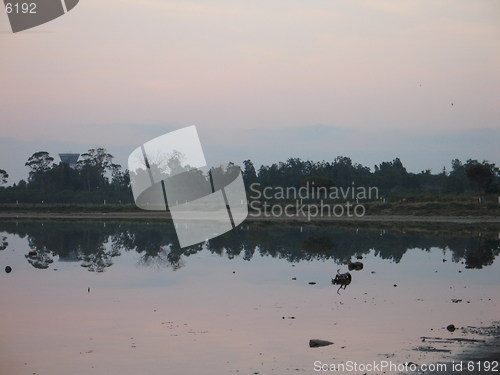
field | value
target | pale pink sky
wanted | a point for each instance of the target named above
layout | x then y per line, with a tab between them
372	80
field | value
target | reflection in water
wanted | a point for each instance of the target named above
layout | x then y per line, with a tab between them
247	302
95	244
39	259
342	279
3	243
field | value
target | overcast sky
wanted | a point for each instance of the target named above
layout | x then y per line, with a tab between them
261	80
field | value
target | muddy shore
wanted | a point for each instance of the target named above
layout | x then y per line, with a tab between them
485	354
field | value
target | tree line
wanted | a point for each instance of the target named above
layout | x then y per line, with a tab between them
391	178
96	178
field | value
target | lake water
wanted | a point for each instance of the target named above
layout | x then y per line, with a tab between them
122	298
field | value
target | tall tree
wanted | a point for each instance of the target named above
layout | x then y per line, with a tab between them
39	163
390	175
482	174
249	173
120	179
93	165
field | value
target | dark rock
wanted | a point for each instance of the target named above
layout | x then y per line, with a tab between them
312	282
451	328
315	343
359	257
8	269
395	285
32	254
357	266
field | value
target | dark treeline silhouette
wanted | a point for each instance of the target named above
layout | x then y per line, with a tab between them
391	178
95	244
96	178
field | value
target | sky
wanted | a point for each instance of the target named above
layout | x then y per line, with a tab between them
261	80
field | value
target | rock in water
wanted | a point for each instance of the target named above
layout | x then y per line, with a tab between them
355	266
451	328
315	343
8	269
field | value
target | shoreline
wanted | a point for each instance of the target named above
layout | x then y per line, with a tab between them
155	215
487	351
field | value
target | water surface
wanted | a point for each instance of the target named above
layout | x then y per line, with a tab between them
123	298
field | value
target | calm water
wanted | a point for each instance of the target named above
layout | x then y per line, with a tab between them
122	298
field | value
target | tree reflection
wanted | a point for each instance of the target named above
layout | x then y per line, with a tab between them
3	243
98	259
483	254
40	259
95	244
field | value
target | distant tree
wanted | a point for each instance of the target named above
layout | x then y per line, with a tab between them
3	176
456	181
390	175
269	175
343	171
120	179
222	175
93	166
39	163
62	177
97	157
249	172
482	174
174	163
